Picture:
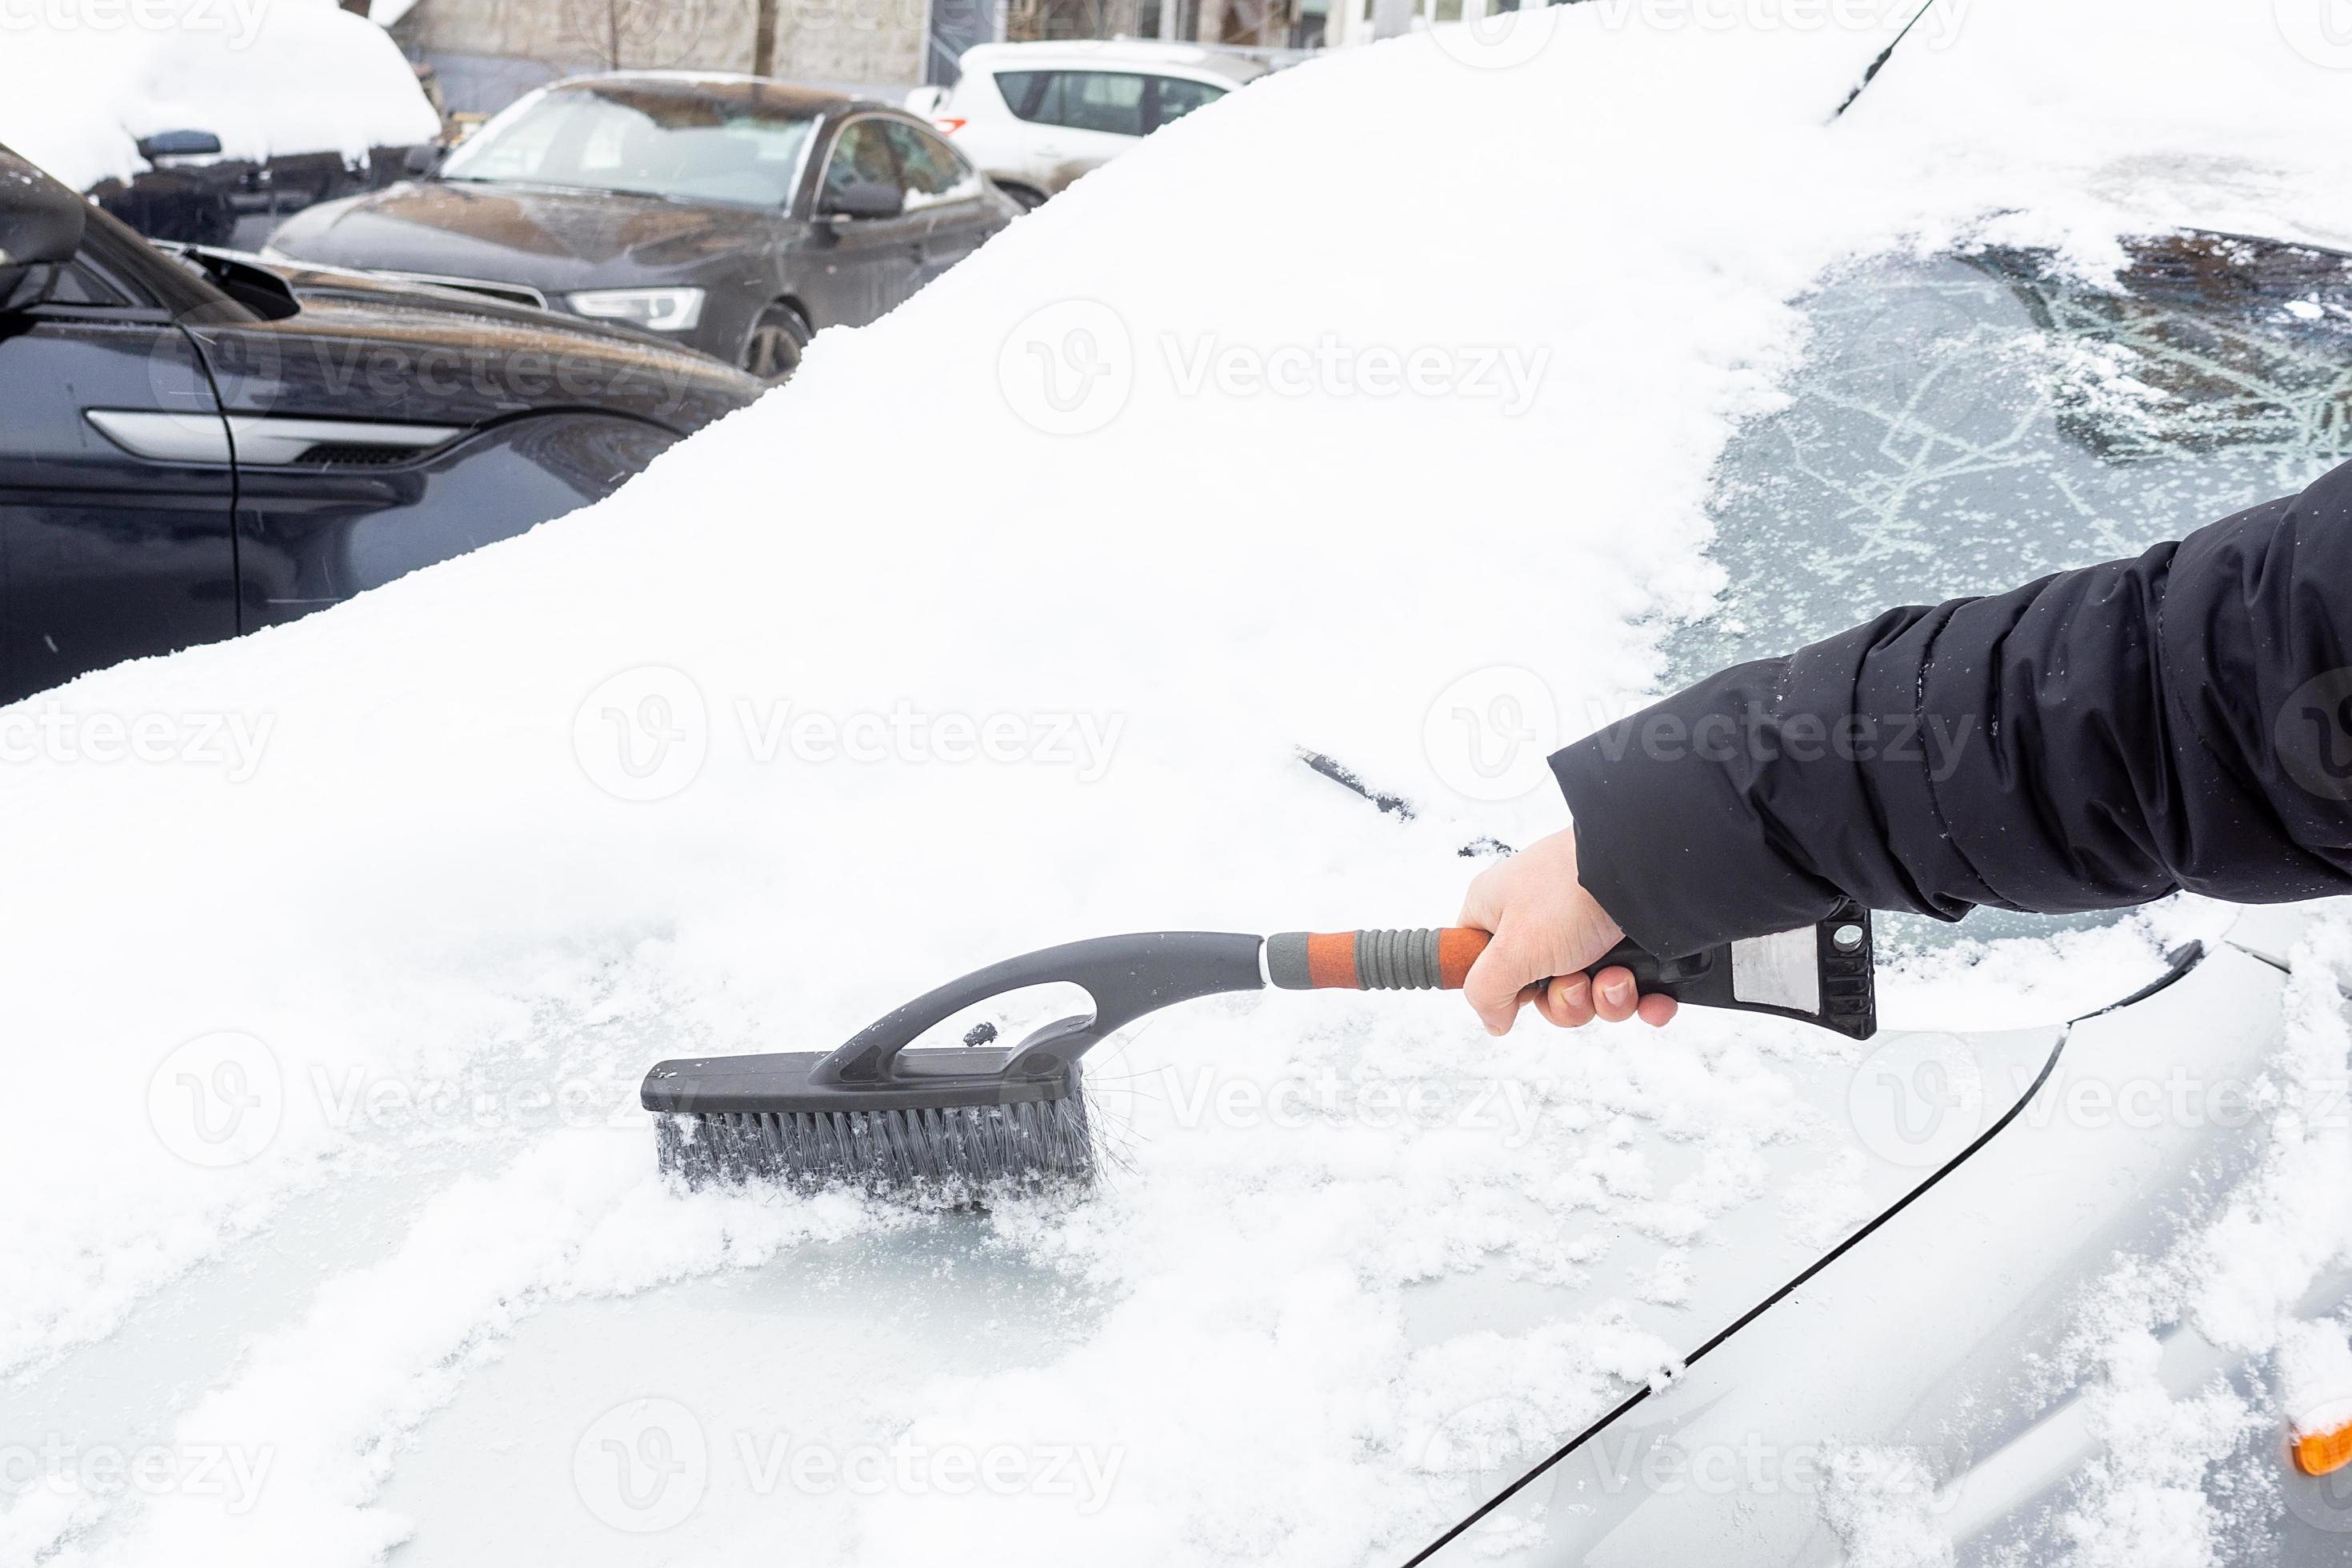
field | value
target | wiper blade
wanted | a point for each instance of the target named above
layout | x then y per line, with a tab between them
1883	57
566	186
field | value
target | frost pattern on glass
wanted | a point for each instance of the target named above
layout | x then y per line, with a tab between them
1965	424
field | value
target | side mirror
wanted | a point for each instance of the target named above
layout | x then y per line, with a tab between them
864	199
40	226
421	160
179	144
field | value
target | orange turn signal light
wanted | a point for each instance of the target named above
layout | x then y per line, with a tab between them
2325	1451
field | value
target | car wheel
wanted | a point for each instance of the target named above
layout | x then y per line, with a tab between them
773	351
1029	200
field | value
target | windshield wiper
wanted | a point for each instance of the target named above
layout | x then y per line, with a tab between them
559	186
1881	58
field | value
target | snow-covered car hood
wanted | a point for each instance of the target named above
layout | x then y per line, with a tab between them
331	1192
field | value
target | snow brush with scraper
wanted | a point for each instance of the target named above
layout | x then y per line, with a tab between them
876	1114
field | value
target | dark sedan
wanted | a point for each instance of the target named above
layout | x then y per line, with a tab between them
193	446
733	214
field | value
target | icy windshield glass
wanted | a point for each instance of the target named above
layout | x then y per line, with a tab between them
1964	425
629	138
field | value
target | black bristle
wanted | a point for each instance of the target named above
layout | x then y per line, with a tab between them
952	1149
879	1112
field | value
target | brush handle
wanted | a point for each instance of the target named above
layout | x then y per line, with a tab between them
1127	976
1819	973
1423	960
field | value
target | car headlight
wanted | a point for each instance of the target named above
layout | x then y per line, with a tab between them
657	310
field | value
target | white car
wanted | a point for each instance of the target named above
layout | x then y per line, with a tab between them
331	1231
1037	116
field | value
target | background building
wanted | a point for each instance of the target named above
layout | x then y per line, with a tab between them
486	53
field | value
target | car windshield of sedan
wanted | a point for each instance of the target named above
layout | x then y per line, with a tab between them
641	142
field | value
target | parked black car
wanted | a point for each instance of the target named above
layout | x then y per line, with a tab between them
193	446
733	214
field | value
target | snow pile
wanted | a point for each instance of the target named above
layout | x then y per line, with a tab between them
335	1146
1881	1503
2244	1279
81	84
2017	983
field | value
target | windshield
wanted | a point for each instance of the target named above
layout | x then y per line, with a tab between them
1964	424
643	141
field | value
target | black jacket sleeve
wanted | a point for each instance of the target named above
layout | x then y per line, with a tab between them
2096	739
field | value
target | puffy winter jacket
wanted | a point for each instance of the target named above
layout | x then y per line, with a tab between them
2095	739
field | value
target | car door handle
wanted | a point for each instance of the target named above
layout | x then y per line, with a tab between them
258	439
162	437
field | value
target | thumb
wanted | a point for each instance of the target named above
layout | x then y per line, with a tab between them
1493	985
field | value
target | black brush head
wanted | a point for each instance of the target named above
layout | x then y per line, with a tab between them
876	1114
946	1121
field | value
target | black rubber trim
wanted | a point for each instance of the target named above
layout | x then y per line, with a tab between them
2183	959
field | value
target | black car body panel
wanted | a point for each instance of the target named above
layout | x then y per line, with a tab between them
364	348
307	539
192	447
103	558
556	242
553	241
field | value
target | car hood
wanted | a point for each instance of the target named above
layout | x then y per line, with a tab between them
369	347
552	239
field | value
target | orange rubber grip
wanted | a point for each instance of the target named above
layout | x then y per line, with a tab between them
1373	960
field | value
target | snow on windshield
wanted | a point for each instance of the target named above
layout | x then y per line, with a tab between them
80	84
1004	624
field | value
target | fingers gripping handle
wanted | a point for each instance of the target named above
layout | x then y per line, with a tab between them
1820	973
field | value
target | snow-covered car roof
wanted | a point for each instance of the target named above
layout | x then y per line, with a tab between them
81	84
329	1185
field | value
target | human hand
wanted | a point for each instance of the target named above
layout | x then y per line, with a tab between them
1547	928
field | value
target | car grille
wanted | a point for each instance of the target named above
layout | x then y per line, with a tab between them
347	456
